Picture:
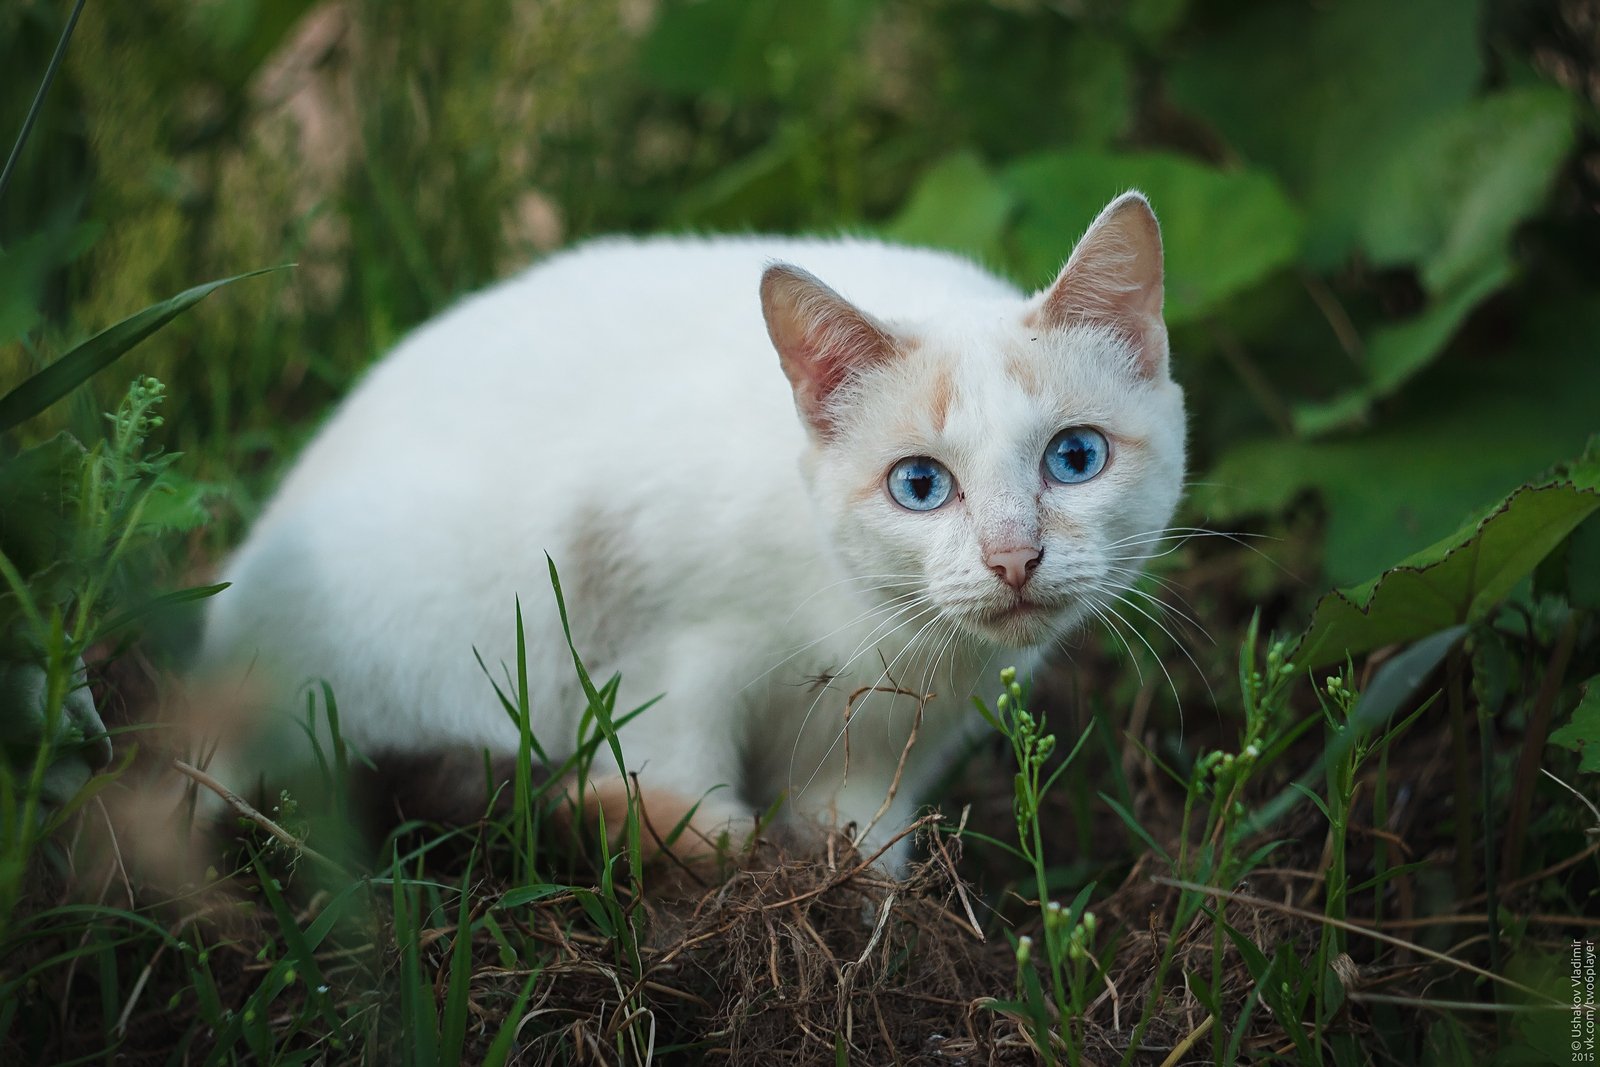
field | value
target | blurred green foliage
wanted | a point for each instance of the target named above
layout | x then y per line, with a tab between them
1379	217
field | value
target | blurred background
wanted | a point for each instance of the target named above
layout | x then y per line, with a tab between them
1380	218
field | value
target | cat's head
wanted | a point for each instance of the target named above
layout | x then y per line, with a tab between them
1009	463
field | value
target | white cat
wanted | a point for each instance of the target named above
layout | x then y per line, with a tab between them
970	470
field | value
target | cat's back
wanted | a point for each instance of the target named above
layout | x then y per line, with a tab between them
665	309
651	344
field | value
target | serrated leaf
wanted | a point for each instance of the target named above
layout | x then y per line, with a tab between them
1456	580
100	351
176	504
957	204
1581	734
1222	231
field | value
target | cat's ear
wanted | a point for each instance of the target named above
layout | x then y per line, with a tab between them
1114	278
821	338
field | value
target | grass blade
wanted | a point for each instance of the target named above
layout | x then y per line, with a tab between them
453	1030
38	98
100	351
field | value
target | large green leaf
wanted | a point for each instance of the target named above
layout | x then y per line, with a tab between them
959	205
1469	430
1458	579
1583	566
1448	201
98	352
1327	94
1222	231
1395	353
1450	198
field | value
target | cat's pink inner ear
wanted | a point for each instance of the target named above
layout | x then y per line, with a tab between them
821	338
1114	278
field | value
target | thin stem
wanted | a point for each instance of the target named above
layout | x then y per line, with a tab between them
1463	771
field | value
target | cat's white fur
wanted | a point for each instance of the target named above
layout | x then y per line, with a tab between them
620	407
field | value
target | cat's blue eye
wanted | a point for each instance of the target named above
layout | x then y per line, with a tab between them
1074	455
920	483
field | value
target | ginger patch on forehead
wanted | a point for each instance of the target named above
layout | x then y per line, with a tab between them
1025	372
941	394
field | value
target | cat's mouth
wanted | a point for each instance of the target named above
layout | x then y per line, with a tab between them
1020	623
1015	611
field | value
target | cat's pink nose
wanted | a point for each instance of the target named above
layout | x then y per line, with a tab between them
1014	566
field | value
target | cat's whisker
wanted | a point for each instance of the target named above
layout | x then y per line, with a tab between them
1181	619
1177	699
872	690
937	643
1186	617
931	677
1105	621
1185	532
871	613
1170	636
1176	587
910	615
1182	535
873	639
888	670
906	579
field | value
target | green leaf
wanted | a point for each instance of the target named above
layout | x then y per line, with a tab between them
1581	734
165	600
757	190
453	1025
750	49
1222	231
528	894
1449	199
1467	431
1456	580
1396	353
1328	96
1447	1044
39	486
1542	1032
1134	825
1583	566
26	265
177	504
1311	794
98	352
1153	20
957	204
